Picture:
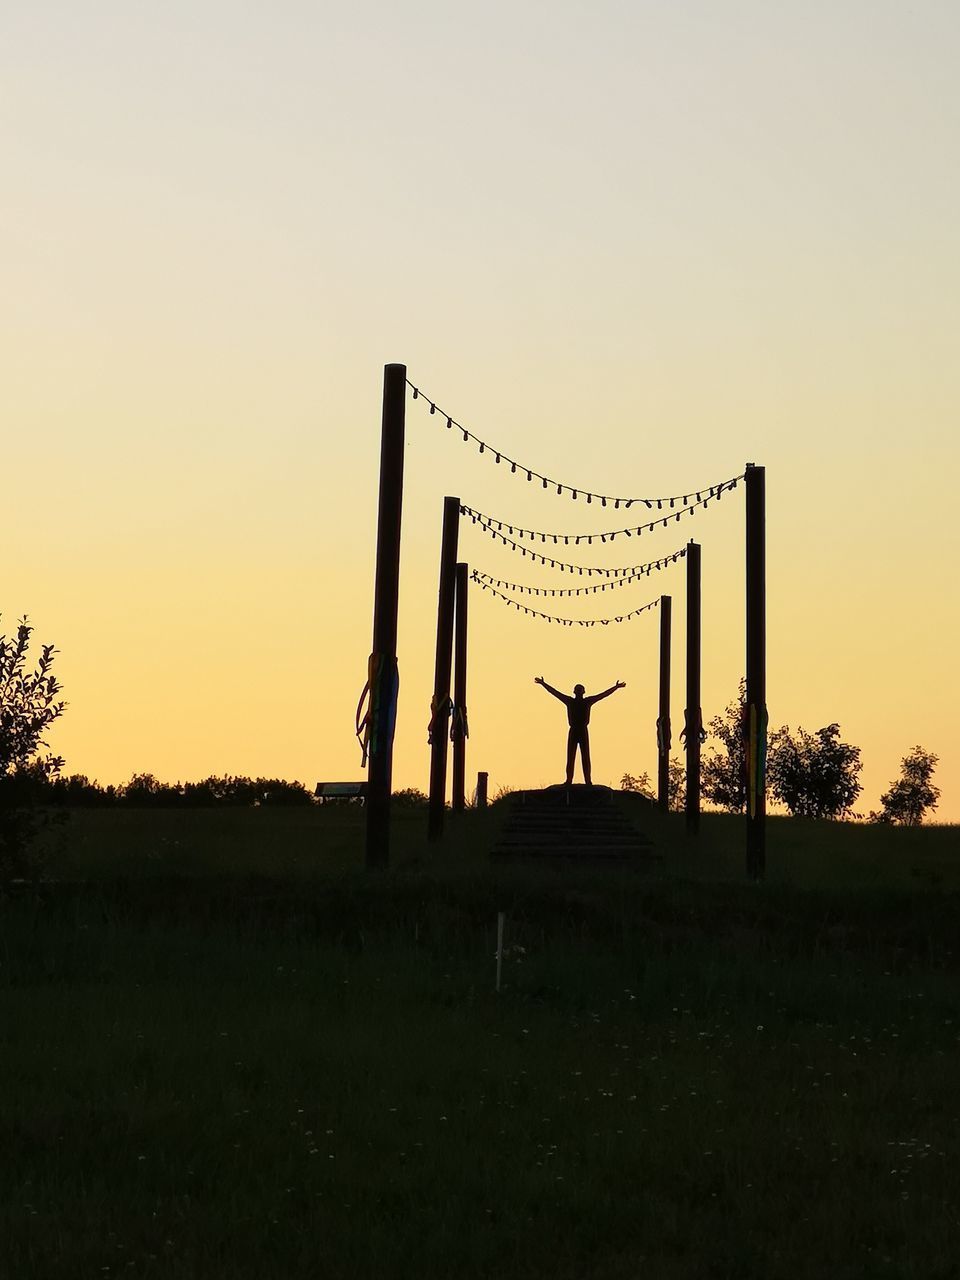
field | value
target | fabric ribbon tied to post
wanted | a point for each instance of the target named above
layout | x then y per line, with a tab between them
439	711
755	741
377	721
458	722
664	736
693	722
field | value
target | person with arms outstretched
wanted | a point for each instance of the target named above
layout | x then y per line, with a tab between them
578	717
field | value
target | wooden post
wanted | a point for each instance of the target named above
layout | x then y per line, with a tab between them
459	731
440	708
756	707
663	719
383	678
692	714
482	779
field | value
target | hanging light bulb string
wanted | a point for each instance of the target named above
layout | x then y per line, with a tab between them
569	622
702	499
614	578
538	557
559	487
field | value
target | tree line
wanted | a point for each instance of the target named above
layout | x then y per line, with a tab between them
813	775
144	791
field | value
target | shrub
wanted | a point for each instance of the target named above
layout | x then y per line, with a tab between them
913	793
814	774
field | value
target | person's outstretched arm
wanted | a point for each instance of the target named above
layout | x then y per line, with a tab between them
607	692
550	689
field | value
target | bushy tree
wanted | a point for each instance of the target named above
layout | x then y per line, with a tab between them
145	791
228	790
723	773
913	793
277	791
28	707
410	798
78	792
814	774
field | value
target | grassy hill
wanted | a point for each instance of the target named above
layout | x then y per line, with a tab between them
229	1052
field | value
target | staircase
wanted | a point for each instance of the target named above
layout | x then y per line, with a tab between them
564	824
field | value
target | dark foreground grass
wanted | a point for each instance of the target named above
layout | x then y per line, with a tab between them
214	1075
305	843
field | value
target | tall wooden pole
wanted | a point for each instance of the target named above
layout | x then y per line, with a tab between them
440	707
663	718
458	734
692	713
756	709
383	677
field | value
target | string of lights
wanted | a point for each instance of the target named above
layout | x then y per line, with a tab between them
631	574
492	524
570	622
558	486
565	566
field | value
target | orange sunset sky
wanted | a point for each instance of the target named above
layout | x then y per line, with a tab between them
634	245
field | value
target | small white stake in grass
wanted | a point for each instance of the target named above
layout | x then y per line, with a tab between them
500	919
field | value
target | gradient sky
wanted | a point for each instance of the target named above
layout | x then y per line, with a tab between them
637	245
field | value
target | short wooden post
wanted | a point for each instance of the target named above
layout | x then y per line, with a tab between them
482	779
458	733
663	718
440	708
756	706
382	704
692	714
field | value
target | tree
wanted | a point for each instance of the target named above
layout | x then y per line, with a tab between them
676	786
77	791
28	707
641	785
723	774
145	791
410	798
277	791
814	774
913	793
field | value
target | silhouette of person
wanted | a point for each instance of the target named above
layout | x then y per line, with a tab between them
578	717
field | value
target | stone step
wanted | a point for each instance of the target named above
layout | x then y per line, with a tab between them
568	819
594	823
571	851
575	824
572	837
585	854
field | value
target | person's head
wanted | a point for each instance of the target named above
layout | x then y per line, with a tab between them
578	691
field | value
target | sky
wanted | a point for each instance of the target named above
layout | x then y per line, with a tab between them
634	245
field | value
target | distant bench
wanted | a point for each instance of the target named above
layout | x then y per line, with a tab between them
341	791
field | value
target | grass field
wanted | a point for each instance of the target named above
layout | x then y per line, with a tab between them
226	1051
309	842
